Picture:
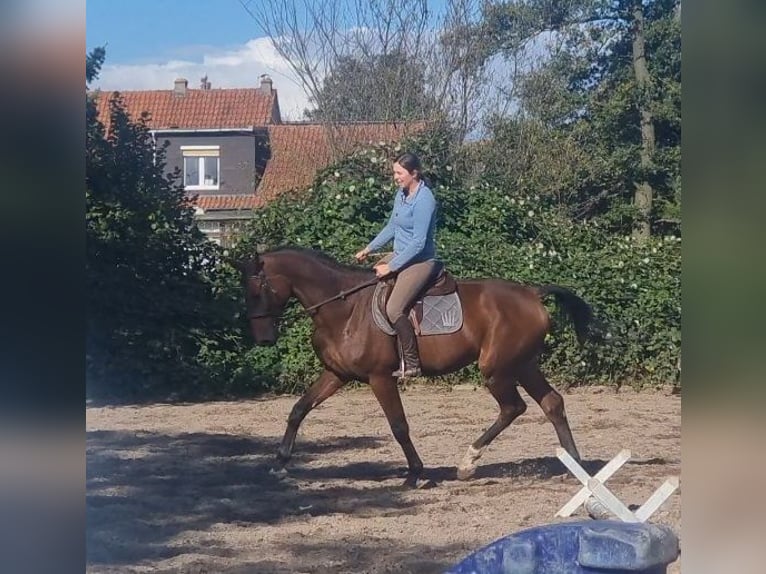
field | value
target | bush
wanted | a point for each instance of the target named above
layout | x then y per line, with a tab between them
484	231
159	305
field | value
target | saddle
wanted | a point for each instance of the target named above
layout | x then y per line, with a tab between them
443	284
437	309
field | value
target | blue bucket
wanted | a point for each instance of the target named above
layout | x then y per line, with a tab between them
587	547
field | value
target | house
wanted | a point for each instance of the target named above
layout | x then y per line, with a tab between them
233	149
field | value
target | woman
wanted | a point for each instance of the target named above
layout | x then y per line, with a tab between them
411	226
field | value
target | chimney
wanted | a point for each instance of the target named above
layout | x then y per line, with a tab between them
179	86
266	84
203	83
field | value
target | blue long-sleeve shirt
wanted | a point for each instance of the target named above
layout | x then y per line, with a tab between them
411	225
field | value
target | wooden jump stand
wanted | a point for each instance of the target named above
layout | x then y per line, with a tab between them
593	488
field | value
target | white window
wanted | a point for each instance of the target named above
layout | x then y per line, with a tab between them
209	225
211	228
202	166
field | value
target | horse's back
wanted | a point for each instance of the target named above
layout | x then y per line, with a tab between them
491	300
497	287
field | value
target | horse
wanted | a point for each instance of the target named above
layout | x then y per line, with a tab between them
504	327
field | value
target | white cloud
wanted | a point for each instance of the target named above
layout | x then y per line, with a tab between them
240	67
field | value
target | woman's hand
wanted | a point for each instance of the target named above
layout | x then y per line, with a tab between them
362	255
382	269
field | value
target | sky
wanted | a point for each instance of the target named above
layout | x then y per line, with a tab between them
149	43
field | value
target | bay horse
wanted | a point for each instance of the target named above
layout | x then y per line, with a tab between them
504	327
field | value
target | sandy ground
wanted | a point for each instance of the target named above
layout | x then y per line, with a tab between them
187	488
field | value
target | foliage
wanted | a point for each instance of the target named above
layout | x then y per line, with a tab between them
380	87
157	301
576	133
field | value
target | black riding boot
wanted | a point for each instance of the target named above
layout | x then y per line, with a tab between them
408	345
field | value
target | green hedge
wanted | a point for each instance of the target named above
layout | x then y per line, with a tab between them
483	231
197	343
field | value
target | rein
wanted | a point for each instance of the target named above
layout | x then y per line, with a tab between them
341	295
309	310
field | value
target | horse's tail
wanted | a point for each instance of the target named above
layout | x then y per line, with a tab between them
575	306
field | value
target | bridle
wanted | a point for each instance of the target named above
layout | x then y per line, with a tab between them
264	282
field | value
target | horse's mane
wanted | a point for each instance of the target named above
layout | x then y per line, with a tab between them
322	257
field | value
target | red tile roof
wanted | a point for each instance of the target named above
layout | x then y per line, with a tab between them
198	109
298	151
225	202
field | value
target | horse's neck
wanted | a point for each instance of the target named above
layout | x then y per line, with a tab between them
315	281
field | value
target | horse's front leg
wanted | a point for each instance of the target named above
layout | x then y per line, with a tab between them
387	393
323	388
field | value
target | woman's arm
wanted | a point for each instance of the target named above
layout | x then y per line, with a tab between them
385	235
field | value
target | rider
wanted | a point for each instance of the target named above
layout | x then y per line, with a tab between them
411	225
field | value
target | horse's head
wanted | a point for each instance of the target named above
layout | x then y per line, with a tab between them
265	299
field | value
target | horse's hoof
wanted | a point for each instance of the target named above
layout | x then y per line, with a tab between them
279	473
426	485
411	481
465	472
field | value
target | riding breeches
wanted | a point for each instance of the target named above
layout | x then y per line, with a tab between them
409	282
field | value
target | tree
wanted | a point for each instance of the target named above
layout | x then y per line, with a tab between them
381	45
379	88
149	284
611	84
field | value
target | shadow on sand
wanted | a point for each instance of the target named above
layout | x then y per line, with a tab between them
146	489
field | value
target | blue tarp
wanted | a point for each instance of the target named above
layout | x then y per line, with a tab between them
587	547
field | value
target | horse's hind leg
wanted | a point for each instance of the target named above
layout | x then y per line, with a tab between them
511	407
322	389
387	393
552	404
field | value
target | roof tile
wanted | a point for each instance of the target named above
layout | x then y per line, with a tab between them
225	202
298	151
198	109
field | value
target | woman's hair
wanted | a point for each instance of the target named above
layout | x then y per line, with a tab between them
411	163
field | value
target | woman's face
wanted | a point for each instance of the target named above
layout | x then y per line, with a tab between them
402	177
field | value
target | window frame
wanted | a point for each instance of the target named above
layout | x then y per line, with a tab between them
212	229
200	153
